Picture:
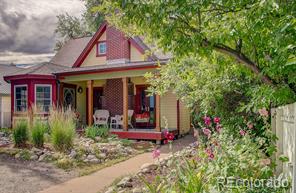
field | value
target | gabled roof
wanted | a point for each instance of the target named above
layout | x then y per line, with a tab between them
4	70
40	70
70	52
90	45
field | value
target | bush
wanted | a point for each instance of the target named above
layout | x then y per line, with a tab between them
93	132
20	133
38	132
218	158
62	127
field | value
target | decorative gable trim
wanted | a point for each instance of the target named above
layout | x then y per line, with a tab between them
93	42
90	45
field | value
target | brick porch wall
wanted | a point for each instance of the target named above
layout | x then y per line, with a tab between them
113	100
113	96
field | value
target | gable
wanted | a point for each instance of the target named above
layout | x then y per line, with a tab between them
92	58
119	49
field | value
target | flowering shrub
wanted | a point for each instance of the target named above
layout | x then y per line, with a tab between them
220	156
208	126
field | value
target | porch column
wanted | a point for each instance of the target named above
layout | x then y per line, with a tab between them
90	85
125	103
157	113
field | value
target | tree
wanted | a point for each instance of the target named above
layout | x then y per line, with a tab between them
259	34
69	27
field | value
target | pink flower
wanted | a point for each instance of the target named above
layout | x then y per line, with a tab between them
218	128
208	151
263	112
242	132
171	137
207	120
165	141
155	153
217	120
206	131
211	156
250	125
166	133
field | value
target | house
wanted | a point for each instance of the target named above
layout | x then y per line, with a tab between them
105	71
5	98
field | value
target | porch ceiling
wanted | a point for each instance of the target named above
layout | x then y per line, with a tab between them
107	75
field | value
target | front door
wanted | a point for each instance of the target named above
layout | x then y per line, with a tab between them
144	107
69	96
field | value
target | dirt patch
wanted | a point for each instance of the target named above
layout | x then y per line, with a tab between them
18	176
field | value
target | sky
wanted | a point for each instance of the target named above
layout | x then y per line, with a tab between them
27	28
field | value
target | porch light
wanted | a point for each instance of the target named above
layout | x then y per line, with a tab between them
80	90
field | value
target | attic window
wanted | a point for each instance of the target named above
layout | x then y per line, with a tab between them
101	48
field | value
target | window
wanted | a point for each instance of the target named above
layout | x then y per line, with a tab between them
20	98
43	97
101	48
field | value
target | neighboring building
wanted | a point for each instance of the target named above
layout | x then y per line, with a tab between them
5	99
105	71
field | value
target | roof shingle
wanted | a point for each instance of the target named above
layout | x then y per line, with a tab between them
4	70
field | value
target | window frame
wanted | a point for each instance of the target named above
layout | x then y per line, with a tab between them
50	94
27	97
98	48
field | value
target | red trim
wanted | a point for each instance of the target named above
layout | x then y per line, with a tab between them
29	76
139	135
178	115
136	45
90	45
31	82
149	135
97	48
61	75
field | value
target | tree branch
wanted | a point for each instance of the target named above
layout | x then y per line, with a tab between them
240	57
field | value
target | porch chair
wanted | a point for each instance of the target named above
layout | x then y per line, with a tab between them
117	120
101	117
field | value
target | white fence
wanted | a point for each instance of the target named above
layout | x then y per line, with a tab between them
284	126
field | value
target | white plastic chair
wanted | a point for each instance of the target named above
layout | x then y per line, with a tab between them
101	117
130	115
117	120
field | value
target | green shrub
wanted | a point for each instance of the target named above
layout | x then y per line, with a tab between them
103	132
221	157
93	132
62	127
38	132
20	133
126	142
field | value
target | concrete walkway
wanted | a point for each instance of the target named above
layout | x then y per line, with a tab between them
97	181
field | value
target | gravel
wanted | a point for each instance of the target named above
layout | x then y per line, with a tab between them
18	176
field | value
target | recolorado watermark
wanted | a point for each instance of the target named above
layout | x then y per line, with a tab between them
251	183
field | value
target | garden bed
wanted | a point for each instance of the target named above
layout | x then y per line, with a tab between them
86	156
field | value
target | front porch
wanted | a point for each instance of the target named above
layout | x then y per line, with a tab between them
118	95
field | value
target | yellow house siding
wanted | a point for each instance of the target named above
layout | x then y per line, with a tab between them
184	118
136	55
99	83
168	109
92	59
5	112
